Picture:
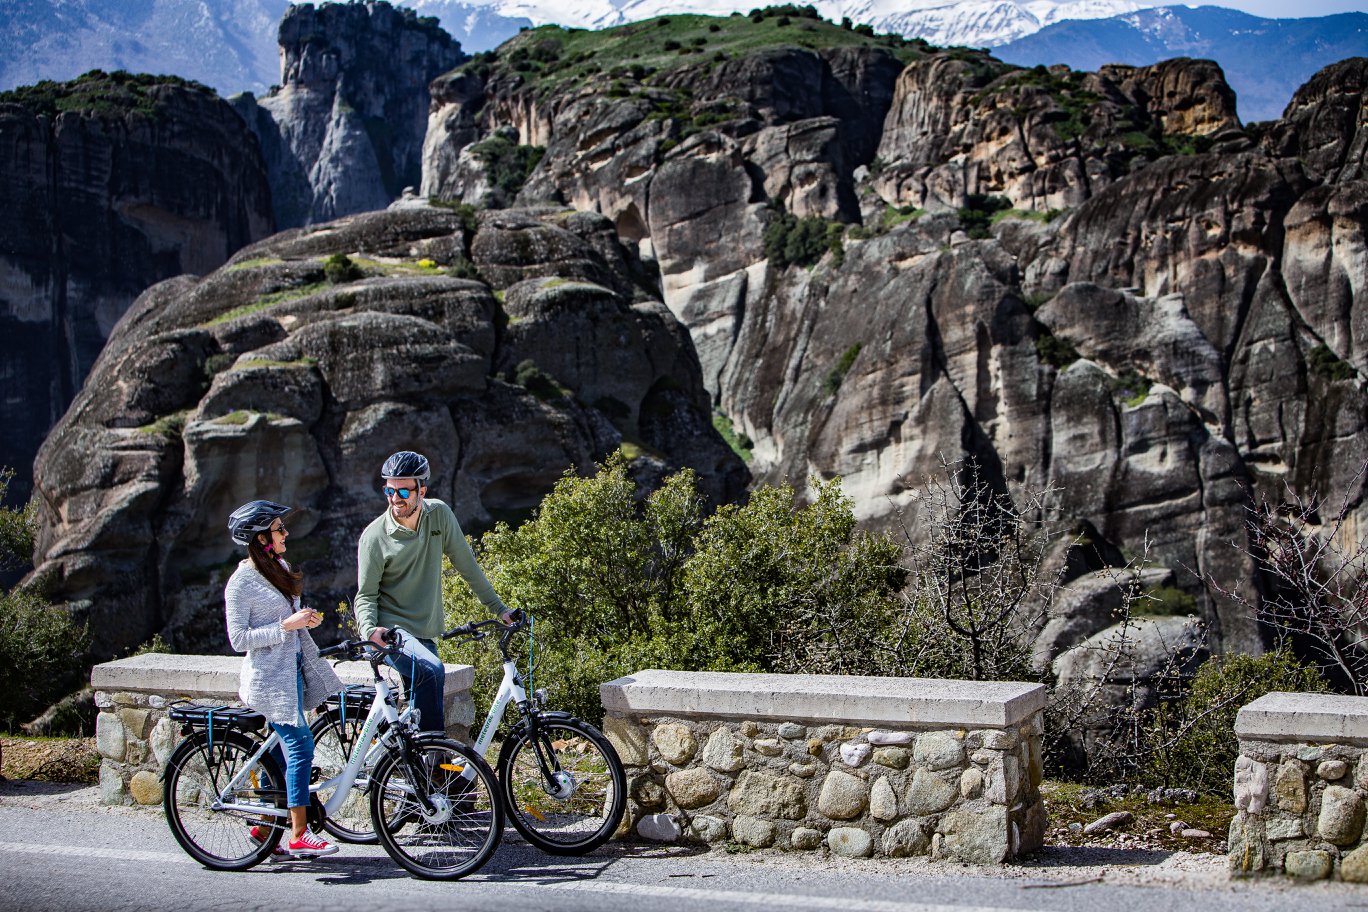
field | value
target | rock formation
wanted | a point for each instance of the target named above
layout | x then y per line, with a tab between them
343	133
1161	324
109	183
280	377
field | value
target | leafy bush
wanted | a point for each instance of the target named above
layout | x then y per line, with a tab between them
1054	351
791	241
1192	741
17	528
340	269
42	653
1325	363
537	382
508	164
619	582
977	213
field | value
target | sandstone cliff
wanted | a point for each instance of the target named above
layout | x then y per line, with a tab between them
1159	321
109	184
343	133
277	377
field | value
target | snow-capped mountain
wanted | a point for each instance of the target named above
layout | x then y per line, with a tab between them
1264	60
977	23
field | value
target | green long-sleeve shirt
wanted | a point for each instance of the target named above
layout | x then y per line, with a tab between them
399	572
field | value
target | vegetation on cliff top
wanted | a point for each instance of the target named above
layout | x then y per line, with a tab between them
97	92
554	57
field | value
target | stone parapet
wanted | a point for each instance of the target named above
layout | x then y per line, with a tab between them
1301	787
135	738
861	765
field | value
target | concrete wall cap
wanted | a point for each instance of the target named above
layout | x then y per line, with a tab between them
1304	717
824	698
216	677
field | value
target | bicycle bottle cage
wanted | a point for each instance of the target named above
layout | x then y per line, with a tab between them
216	720
356	697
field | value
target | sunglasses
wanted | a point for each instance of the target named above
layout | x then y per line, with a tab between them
281	529
402	492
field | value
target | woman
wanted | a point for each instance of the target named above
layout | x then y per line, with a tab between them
282	673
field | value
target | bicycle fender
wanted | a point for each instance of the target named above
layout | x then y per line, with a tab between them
553	715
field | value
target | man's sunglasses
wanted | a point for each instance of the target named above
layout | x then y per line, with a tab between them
402	492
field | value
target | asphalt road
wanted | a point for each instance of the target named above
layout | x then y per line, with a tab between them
60	851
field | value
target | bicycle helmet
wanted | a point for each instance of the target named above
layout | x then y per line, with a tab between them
406	464
253	517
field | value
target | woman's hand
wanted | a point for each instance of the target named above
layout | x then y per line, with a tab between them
304	617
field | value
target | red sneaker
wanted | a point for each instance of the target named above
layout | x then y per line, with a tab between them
310	846
259	834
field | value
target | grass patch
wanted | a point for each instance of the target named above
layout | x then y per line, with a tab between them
254	263
1166	600
269	300
1045	218
50	759
168	426
1069	803
242	416
740	444
270	362
1131	387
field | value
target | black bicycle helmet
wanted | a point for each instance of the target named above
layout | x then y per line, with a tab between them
253	517
406	464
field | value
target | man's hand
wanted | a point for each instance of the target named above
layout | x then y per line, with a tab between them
509	616
378	636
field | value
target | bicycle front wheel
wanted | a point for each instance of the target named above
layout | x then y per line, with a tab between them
334	742
197	776
461	825
565	788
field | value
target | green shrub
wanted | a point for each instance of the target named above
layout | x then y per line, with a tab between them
977	213
538	382
508	164
1192	741
339	269
618	582
1166	600
1325	363
740	444
791	241
1054	351
17	528
836	376
42	656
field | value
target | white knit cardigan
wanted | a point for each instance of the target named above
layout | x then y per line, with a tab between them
254	609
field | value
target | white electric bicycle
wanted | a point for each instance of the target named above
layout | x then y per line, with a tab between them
434	803
564	787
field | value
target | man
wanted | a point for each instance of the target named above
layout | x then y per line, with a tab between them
399	577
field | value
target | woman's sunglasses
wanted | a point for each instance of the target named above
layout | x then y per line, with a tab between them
402	492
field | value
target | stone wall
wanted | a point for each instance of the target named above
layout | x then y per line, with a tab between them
135	738
1300	785
860	766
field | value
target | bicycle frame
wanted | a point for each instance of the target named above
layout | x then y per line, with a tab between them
510	691
381	710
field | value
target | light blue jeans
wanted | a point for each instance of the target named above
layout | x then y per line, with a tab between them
297	759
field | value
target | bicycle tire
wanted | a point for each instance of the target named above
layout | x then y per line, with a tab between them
194	777
588	816
468	825
334	741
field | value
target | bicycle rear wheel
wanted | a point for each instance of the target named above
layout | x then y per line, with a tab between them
578	806
196	777
466	821
334	742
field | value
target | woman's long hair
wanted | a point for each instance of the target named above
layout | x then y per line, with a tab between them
290	582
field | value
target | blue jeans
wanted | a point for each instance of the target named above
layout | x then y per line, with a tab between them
424	684
297	759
